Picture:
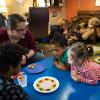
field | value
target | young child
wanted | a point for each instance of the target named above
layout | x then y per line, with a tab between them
76	35
58	46
11	59
83	69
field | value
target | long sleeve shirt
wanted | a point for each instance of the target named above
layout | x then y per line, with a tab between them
28	42
11	91
89	72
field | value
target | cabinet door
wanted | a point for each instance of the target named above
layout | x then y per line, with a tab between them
38	21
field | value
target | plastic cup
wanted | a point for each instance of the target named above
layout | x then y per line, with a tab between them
22	80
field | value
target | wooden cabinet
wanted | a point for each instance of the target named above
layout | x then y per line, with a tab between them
38	21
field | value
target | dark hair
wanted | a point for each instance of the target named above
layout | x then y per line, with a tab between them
59	39
78	27
89	50
2	21
86	25
13	20
81	50
60	29
10	54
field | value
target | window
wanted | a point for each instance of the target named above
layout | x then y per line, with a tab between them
41	3
97	3
3	6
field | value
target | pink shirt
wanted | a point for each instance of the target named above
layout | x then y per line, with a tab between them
89	72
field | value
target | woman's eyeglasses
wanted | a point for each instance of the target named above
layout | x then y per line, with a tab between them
20	30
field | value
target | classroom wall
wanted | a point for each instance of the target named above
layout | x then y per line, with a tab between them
71	8
61	13
73	5
20	8
15	7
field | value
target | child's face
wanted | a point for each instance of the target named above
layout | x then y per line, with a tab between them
73	60
16	70
57	50
71	57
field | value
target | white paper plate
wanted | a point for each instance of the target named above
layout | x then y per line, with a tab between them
46	84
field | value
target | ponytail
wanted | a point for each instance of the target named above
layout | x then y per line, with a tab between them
81	50
89	52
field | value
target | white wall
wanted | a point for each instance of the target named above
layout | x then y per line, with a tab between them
15	7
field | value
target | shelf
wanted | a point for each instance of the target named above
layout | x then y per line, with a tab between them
55	7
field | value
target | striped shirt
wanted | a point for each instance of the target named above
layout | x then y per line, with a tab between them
89	72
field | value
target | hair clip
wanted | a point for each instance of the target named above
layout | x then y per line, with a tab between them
88	48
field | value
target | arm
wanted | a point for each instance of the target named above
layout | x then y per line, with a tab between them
59	65
90	69
31	44
31	41
27	56
77	77
18	93
30	53
90	81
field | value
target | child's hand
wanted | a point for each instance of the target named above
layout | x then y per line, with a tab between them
75	38
59	65
75	76
72	39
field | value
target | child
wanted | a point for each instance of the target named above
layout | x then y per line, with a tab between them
11	58
76	35
83	69
58	46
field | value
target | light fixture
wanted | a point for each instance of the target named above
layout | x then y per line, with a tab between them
41	3
2	3
3	9
97	3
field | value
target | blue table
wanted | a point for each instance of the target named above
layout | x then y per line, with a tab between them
68	89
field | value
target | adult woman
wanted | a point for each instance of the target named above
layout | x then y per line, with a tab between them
17	33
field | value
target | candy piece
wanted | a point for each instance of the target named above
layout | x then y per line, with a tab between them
31	66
